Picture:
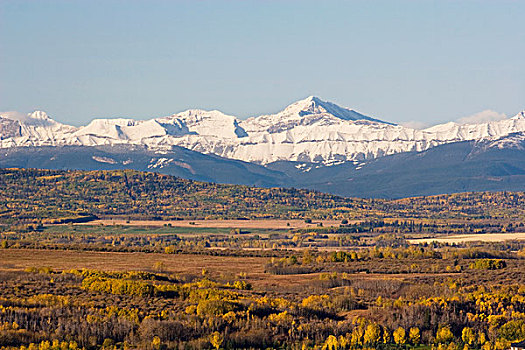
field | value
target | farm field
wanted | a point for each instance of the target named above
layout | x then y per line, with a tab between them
254	224
217	267
486	237
19	259
155	229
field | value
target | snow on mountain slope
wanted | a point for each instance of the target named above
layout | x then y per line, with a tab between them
511	141
121	129
303	112
458	132
34	129
310	130
205	123
9	128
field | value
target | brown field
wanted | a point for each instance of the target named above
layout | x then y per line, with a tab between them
483	237
264	224
184	264
218	267
116	261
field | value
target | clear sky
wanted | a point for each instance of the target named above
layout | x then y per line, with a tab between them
427	61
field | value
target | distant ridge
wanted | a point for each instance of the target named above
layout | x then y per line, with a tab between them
33	196
310	130
177	161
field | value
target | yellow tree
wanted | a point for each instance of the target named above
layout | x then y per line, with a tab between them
487	346
216	340
387	338
444	335
330	343
372	334
468	336
482	338
414	335
343	341
400	336
155	343
44	345
358	332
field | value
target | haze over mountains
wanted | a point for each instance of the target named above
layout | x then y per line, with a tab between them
311	143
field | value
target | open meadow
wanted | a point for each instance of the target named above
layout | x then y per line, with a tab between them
253	224
485	237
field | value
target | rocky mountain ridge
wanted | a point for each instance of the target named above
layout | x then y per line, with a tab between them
309	130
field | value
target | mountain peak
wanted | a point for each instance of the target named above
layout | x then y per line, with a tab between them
315	105
40	119
520	115
24	118
310	105
41	115
314	99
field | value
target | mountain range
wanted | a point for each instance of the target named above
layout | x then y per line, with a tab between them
312	144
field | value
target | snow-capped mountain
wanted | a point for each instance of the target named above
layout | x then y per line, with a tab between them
35	129
310	130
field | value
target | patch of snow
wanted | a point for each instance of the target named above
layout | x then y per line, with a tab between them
159	163
104	160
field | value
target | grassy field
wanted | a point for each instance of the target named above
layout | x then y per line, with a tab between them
222	268
114	261
485	237
243	224
148	229
187	266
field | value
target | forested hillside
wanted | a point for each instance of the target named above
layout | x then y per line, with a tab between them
54	194
60	196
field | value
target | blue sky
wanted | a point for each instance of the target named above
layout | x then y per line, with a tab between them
426	61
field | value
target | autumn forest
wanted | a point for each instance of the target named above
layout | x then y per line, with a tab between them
135	260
